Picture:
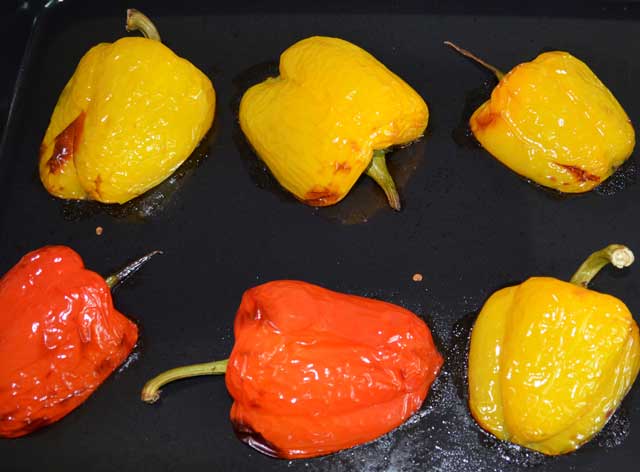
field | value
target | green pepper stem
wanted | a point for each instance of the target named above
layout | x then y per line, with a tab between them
151	390
618	255
378	171
498	73
138	21
130	269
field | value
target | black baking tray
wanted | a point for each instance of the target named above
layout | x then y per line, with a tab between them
469	225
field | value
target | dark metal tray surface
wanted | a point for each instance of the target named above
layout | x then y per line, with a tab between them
468	224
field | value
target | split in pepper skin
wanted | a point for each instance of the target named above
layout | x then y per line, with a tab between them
131	114
328	117
550	361
60	337
554	122
314	371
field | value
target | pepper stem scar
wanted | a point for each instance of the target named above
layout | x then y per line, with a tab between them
378	171
498	73
138	21
129	269
618	255
151	390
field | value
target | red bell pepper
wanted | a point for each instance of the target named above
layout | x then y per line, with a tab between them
314	371
60	337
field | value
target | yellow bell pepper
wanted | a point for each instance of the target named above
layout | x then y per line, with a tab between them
550	361
553	121
131	113
328	117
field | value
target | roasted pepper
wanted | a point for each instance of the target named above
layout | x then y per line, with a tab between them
330	115
550	361
314	371
60	337
131	113
553	121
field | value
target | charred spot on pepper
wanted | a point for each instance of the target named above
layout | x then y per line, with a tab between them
105	365
98	182
321	197
65	144
342	167
579	174
484	120
254	404
252	438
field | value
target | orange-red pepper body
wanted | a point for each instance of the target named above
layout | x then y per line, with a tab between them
60	338
314	371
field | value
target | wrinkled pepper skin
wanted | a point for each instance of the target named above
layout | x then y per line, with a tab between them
317	124
554	122
550	362
131	113
60	338
314	371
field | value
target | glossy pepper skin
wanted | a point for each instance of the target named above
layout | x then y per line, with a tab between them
550	362
318	123
60	338
314	371
132	112
554	122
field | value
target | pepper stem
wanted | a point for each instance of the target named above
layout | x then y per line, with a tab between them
498	73
618	255
151	390
132	268
138	21
378	171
